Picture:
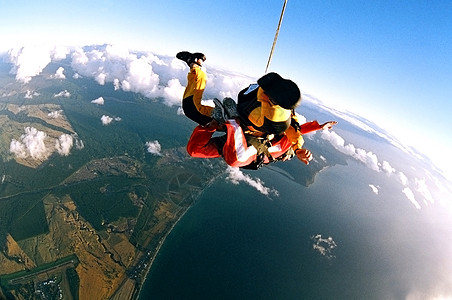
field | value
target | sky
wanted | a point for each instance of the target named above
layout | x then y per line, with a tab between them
388	61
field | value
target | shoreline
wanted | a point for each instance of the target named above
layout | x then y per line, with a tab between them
139	285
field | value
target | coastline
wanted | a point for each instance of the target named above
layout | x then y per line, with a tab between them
139	285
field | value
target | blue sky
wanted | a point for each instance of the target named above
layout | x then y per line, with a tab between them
389	61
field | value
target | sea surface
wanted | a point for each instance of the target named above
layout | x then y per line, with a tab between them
332	240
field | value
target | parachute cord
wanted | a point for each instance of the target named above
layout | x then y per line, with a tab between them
276	36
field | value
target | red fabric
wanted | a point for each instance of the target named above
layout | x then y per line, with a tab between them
236	153
309	127
198	145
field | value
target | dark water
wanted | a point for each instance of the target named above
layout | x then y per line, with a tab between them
236	243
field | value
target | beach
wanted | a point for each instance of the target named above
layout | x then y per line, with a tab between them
153	254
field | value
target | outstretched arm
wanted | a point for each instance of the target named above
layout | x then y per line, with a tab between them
314	125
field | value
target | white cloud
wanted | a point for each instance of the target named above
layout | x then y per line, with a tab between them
31	144
422	188
64	94
30	94
178	65
224	85
374	188
64	144
55	114
148	74
410	195
106	120
402	178
301	119
140	78
324	246
59	53
78	142
99	101
338	142
387	168
116	84
173	92
59	74
161	77
154	147
235	176
114	64
362	124
371	161
18	149
180	111
36	144
368	158
28	62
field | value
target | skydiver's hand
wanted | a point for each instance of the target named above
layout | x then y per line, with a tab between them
328	125
304	155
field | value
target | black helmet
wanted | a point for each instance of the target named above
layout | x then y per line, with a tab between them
283	92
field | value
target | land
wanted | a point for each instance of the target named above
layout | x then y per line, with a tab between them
113	259
90	228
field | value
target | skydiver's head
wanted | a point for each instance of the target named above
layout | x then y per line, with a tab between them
283	92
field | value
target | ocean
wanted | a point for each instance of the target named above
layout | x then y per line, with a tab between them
328	241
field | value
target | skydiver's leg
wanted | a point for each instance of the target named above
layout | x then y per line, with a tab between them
193	113
201	144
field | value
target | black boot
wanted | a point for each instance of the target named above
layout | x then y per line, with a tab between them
190	58
185	56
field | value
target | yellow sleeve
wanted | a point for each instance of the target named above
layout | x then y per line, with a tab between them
197	79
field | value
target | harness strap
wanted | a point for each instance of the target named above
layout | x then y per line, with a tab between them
261	144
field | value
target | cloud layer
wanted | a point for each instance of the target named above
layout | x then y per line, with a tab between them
141	72
30	61
371	160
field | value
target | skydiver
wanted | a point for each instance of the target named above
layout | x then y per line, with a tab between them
247	151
